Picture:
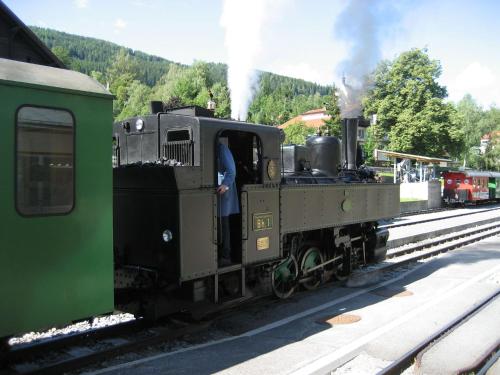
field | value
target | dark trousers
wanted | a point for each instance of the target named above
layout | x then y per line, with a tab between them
225	238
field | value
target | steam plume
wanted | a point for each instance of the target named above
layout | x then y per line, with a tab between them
358	26
243	22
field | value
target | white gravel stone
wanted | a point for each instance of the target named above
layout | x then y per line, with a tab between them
86	325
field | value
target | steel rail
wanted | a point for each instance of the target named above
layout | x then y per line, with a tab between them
396	225
406	360
489	363
88	356
413	247
434	249
447	208
483	363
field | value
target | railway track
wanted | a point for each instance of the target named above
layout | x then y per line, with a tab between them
403	224
414	252
80	350
446	208
83	349
414	356
451	240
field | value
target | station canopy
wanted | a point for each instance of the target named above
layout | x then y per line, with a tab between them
384	155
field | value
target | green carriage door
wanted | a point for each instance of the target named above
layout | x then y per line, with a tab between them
56	262
44	198
492	187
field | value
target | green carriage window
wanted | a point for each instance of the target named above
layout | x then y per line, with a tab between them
44	161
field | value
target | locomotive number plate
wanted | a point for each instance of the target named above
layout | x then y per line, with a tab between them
263	243
262	221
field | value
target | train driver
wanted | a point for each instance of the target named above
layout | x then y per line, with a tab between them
228	199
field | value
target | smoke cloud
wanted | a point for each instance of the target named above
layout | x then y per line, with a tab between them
243	22
358	26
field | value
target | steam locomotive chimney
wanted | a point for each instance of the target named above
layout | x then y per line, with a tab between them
156	106
349	142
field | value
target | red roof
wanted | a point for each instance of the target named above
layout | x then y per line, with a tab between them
310	123
493	134
317	110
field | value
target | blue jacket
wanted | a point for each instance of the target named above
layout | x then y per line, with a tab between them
228	201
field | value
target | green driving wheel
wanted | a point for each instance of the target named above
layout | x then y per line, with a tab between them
312	258
284	277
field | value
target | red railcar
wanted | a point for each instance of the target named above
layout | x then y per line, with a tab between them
470	186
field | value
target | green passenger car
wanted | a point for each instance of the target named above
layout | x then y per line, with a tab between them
56	254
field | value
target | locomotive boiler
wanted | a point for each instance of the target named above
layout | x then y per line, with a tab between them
307	213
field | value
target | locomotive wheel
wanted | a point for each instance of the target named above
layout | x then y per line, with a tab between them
284	277
342	270
312	258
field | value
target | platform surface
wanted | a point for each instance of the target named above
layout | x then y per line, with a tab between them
446	225
294	337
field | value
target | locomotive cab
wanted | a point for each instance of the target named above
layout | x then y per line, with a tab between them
166	205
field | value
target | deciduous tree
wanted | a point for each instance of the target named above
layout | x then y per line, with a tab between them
297	133
492	154
138	99
409	105
333	109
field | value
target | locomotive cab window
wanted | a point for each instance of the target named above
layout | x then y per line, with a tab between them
44	161
247	153
178	135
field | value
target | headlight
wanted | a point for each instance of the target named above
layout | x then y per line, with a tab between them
139	125
167	235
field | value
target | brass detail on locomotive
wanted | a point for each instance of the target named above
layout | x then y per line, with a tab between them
272	169
262	243
263	221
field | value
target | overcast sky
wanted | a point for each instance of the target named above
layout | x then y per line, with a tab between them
299	38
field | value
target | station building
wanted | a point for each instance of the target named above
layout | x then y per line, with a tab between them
18	42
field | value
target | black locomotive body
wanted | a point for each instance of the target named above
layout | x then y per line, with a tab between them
301	221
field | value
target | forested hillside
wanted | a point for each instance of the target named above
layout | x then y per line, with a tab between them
136	77
89	54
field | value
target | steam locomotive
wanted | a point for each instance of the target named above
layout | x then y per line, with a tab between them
81	237
308	213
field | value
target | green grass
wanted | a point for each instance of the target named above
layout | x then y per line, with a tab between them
411	199
386	174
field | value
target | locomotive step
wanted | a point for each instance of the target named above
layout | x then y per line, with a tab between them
230	268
